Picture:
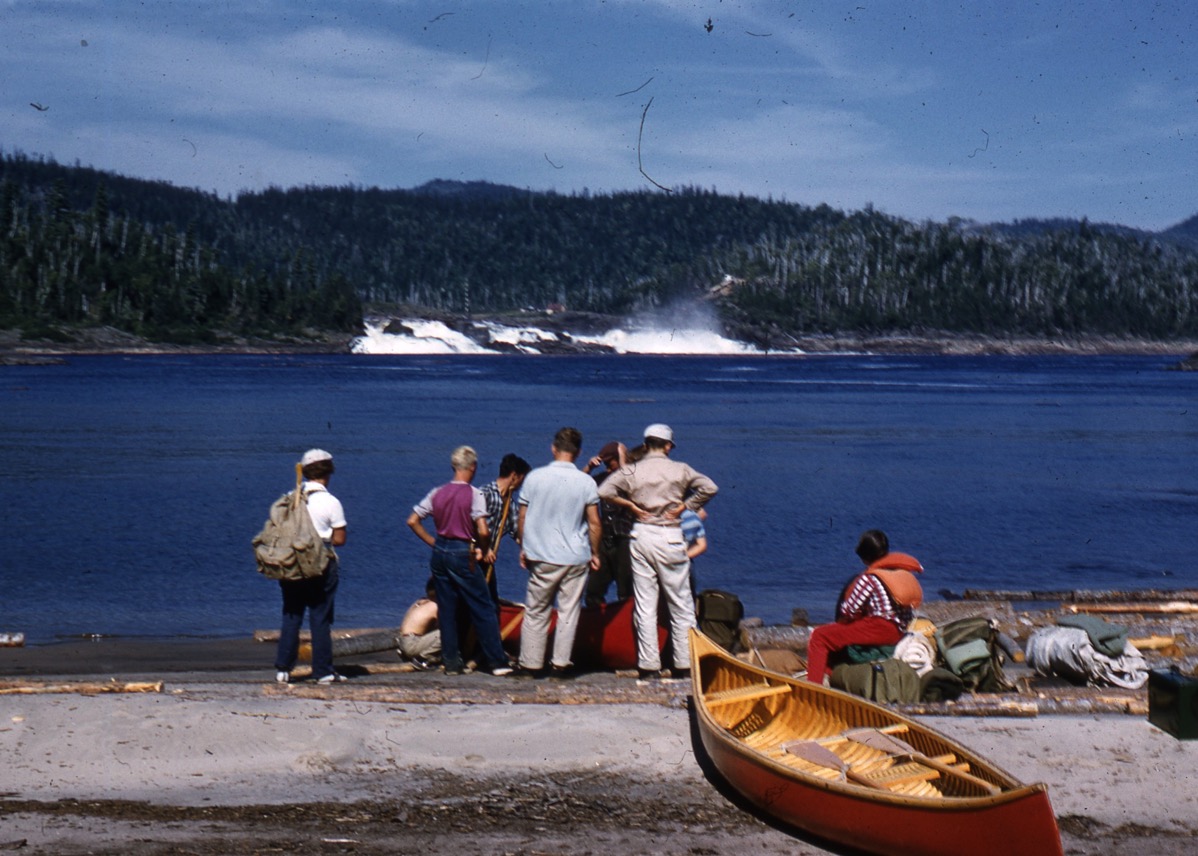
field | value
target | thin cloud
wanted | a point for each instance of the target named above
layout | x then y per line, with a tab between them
976	112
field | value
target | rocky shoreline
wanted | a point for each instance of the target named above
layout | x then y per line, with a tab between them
15	350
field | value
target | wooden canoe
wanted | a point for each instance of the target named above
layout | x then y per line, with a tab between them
605	638
855	773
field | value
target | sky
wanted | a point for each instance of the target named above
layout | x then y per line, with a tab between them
924	110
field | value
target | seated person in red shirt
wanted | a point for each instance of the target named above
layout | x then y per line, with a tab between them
874	609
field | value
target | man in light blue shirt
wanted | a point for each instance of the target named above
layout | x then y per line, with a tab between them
560	537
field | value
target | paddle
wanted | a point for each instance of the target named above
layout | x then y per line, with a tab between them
891	745
497	536
511	626
820	755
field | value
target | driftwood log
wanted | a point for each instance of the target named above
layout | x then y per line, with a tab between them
78	687
306	636
346	643
1173	607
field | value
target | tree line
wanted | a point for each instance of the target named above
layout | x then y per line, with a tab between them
80	246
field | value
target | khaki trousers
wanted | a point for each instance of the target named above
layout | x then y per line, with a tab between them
660	568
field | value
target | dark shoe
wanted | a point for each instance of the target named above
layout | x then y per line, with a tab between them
422	664
455	670
680	674
648	675
522	674
562	673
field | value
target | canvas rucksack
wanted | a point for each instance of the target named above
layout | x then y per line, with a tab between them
288	547
719	617
883	681
970	650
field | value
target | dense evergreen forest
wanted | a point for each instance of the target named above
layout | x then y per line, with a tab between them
79	246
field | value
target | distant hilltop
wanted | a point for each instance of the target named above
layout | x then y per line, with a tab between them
187	268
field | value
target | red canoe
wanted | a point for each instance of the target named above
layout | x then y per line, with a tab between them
605	637
856	773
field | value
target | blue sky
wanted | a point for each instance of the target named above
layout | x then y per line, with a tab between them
926	110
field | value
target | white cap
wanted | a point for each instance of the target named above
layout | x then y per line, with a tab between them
660	431
313	455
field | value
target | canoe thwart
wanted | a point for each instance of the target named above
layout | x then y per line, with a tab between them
749	693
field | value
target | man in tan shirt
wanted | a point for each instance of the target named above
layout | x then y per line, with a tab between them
656	490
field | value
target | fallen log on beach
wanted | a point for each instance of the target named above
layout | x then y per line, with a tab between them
369	643
346	643
306	636
385	640
1081	702
78	687
1173	607
1072	596
1154	643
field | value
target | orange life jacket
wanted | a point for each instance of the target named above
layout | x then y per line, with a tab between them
896	571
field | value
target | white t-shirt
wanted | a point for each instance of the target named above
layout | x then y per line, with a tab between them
325	509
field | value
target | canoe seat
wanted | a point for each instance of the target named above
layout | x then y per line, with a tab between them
749	693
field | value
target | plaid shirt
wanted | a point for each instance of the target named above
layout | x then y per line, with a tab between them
868	597
495	510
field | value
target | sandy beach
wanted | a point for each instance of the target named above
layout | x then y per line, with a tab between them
216	758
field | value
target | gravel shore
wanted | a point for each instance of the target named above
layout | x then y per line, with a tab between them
215	758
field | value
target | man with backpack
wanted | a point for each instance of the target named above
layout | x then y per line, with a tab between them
314	594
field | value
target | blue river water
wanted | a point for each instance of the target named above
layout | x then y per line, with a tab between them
135	483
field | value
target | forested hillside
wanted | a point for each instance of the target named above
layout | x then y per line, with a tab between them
80	246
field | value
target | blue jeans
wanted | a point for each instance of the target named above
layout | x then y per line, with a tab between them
316	596
458	579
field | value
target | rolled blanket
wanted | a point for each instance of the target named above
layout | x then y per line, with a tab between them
1106	638
917	651
1068	653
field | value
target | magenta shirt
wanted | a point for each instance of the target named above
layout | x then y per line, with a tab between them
454	508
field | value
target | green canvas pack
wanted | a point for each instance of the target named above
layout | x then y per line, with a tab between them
719	617
885	681
867	653
970	650
288	547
